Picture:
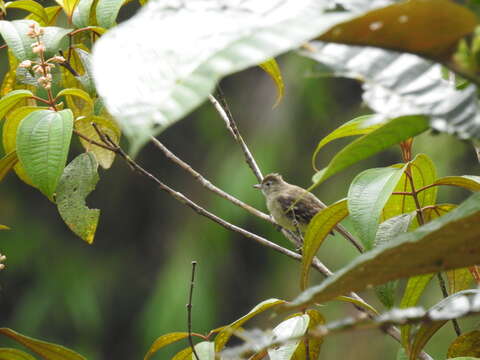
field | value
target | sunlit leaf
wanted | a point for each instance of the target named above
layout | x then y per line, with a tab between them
107	12
390	133
78	180
467	344
357	126
398	84
468	182
360	303
81	14
314	344
30	6
428	249
318	229
107	126
85	110
43	141
427	27
293	327
68	6
166	81
367	195
44	349
163	341
9	101
459	280
271	68
224	335
7	163
14	354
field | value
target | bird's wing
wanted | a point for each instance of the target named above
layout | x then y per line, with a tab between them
303	209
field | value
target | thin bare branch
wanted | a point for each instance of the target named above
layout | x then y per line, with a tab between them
189	311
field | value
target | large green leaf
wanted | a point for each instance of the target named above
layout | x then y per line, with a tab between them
166	81
442	244
367	195
78	180
391	133
398	84
15	35
81	14
318	229
43	141
357	126
107	12
44	349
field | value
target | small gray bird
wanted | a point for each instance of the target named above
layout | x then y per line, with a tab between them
291	206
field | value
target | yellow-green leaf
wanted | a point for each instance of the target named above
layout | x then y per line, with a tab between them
30	6
4	227
42	348
78	110
14	354
317	230
467	344
163	341
358	302
78	180
314	343
7	163
109	127
459	280
271	68
9	101
468	182
68	6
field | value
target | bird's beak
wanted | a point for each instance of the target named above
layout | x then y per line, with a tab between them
257	186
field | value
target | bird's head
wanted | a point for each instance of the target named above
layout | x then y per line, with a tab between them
270	184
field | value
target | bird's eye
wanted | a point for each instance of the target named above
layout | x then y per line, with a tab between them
268	183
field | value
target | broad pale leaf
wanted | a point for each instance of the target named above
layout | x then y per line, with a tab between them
42	348
318	229
107	12
397	84
81	14
367	195
441	244
314	344
390	133
43	141
291	328
166	81
78	180
163	341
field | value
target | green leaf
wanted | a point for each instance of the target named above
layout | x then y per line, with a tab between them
9	101
367	195
467	344
68	6
271	68
427	330
30	6
78	93
428	249
459	280
107	12
318	229
166	81
44	349
357	126
43	141
163	341
14	354
224	335
293	327
109	127
9	136
359	303
7	163
468	182
81	14
78	180
429	27
4	227
391	133
55	39
413	291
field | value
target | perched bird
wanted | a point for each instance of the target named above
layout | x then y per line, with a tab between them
290	206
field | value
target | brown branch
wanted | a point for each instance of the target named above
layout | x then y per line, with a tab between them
91	141
189	310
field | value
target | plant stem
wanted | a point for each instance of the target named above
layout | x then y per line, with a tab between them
189	310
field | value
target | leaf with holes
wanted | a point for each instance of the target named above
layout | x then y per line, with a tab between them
43	141
78	181
430	248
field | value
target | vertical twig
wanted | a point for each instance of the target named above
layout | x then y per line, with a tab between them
189	310
443	287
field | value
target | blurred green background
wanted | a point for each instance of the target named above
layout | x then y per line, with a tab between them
110	300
